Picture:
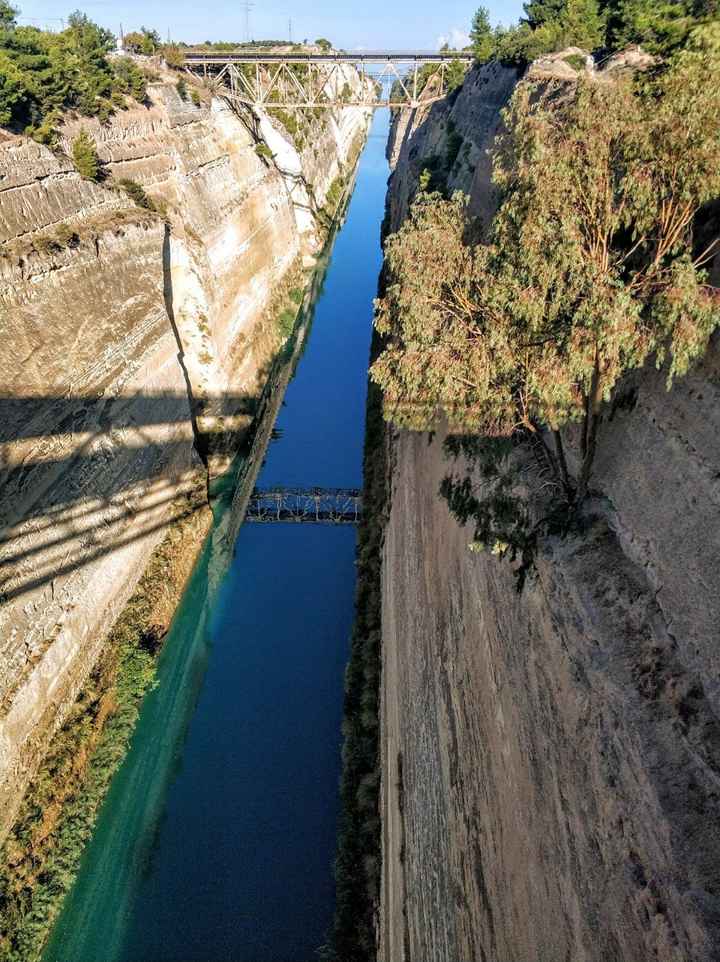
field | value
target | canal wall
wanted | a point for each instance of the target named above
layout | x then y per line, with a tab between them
550	755
140	321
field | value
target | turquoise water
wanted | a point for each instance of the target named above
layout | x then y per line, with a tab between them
216	841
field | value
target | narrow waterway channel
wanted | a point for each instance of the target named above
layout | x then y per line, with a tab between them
216	841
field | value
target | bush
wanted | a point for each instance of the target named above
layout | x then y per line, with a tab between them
173	56
66	236
181	87
195	97
129	79
262	150
85	156
136	192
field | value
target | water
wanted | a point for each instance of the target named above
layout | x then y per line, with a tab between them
216	840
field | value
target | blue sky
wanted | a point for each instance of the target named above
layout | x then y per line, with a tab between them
363	23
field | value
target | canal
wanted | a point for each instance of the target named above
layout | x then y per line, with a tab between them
216	841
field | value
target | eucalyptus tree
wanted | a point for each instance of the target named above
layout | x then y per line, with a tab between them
593	265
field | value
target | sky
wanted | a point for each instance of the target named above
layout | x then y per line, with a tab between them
400	24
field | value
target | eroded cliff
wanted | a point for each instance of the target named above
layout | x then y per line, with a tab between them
136	342
551	755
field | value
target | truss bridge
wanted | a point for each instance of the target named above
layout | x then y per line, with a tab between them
305	505
388	78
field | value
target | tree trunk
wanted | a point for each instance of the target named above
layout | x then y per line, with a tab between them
592	421
563	464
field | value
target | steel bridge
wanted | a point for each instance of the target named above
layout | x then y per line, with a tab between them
390	78
305	505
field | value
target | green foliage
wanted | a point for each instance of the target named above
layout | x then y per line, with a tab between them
658	25
500	516
8	14
583	25
195	97
481	35
358	850
129	78
136	192
575	60
43	74
66	236
592	269
173	55
262	150
142	41
286	322
181	88
85	156
453	143
324	44
540	12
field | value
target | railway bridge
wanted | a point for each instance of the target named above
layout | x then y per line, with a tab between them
390	78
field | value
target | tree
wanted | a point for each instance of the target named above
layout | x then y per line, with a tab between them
539	12
324	44
8	14
593	266
85	156
173	55
133	41
142	41
658	25
583	25
481	35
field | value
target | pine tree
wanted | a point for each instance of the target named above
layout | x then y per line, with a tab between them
539	12
583	25
85	156
657	25
481	35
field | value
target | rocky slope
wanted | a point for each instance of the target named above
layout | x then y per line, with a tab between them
551	758
135	342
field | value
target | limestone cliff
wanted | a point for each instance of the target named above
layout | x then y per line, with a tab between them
135	342
551	757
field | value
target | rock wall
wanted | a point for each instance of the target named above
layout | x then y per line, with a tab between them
135	342
551	758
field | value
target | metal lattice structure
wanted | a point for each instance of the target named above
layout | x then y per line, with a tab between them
305	505
388	78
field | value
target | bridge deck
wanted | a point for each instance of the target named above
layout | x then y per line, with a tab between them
365	56
305	505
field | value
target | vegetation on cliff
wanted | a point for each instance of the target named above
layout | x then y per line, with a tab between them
357	869
44	73
551	25
596	263
42	853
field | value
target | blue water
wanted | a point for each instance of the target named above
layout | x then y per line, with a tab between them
217	838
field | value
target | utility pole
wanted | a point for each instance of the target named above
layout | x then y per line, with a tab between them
247	6
290	29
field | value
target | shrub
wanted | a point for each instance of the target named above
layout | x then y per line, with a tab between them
85	156
262	150
195	97
173	56
66	236
130	79
181	87
136	192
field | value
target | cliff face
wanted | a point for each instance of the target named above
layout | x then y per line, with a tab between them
134	344
551	756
